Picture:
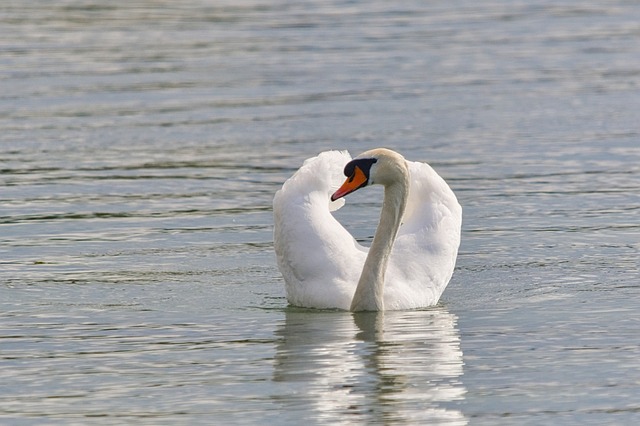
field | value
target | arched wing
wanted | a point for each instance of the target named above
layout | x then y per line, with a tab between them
318	258
425	251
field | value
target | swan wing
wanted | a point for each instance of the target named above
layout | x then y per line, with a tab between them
319	259
425	250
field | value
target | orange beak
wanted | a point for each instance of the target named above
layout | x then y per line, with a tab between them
356	181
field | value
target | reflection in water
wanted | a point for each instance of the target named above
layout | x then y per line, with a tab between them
397	367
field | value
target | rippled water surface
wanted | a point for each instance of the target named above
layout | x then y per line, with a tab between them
141	143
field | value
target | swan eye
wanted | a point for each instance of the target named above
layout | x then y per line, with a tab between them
364	164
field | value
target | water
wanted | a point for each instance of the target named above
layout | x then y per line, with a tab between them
140	146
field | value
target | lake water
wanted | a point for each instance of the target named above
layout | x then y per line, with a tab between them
141	143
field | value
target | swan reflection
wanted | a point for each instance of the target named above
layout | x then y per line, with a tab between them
393	366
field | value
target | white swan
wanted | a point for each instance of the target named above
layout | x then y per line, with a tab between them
414	250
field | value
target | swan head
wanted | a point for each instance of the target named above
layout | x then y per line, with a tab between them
377	166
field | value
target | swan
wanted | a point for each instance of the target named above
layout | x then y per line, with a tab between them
414	249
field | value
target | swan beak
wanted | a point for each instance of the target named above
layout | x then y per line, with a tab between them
356	181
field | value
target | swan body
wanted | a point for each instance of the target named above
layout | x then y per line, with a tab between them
414	250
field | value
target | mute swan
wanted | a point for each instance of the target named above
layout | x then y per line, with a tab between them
413	253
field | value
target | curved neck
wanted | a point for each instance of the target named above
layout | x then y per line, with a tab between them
369	292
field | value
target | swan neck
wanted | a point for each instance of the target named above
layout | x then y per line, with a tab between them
370	289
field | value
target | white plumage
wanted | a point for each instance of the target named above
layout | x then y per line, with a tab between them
322	263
